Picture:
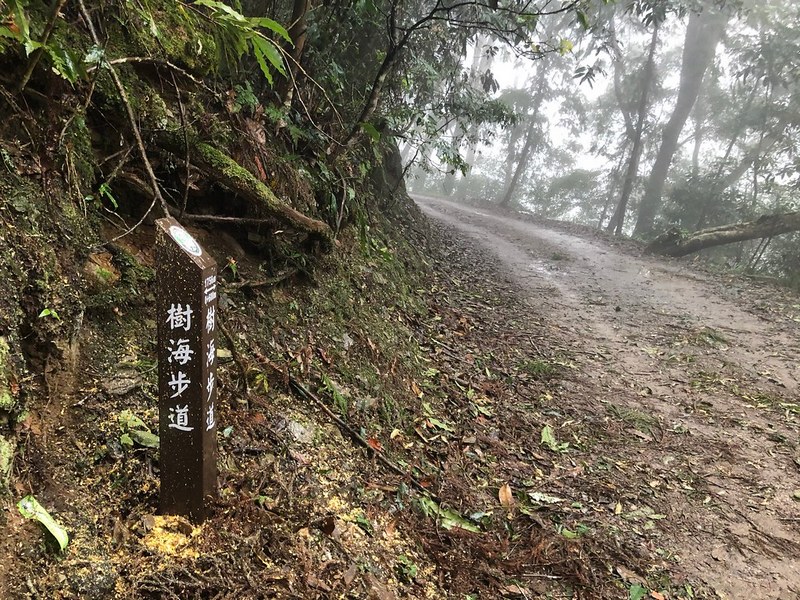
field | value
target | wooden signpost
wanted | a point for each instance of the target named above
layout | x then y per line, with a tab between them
186	279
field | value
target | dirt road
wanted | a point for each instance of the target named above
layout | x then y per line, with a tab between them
704	378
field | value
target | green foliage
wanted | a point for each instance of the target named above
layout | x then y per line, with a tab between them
49	312
18	27
65	61
30	508
245	99
340	401
238	35
406	569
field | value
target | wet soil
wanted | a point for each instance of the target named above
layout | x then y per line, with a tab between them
693	382
521	410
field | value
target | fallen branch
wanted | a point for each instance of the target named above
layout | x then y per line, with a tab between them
235	354
675	243
221	167
232	220
262	282
304	393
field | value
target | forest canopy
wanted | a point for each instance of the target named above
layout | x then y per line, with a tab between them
639	117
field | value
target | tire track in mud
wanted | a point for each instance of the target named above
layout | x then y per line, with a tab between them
656	336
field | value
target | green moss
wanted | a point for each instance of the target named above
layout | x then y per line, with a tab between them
6	460
6	399
132	287
164	29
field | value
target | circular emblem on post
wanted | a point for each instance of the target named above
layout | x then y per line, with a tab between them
185	240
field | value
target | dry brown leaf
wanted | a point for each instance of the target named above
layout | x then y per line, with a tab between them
350	574
506	496
391	527
629	576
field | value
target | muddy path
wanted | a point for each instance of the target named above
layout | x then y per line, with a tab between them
704	386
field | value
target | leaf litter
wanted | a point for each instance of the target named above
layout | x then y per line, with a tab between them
530	491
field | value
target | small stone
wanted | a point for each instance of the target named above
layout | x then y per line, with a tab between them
304	434
122	382
148	522
184	526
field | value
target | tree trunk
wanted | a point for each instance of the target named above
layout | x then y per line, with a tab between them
481	62
461	191
702	35
618	218
531	138
699	118
672	243
297	33
522	164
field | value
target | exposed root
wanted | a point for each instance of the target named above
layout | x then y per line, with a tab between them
222	168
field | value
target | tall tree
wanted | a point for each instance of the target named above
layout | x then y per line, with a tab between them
703	33
634	130
532	135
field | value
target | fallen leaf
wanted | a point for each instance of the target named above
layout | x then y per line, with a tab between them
540	498
506	496
513	590
324	356
30	508
350	574
629	576
120	533
328	525
549	440
144	438
440	424
390	528
449	519
374	444
315	582
637	592
377	590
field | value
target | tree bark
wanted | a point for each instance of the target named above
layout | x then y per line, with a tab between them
618	218
702	35
673	243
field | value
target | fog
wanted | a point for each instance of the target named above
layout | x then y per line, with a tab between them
644	121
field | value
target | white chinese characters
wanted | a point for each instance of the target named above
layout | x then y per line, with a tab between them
179	418
179	317
191	353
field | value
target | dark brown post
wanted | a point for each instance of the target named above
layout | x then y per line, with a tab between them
186	278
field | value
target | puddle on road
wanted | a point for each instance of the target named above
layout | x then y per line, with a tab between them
543	269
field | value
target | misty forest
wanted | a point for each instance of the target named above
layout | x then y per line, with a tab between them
383	299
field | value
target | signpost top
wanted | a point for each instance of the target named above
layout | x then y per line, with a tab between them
186	242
